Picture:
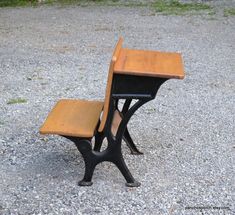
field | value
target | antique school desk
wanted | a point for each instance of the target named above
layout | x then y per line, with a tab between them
134	77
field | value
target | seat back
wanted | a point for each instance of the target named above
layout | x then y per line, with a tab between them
109	84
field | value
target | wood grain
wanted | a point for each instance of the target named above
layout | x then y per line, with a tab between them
78	118
150	63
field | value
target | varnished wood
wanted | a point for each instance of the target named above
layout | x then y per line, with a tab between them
109	84
149	63
76	118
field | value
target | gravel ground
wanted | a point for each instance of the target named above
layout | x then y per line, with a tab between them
186	133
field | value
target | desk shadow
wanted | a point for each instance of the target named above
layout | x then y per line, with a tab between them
55	164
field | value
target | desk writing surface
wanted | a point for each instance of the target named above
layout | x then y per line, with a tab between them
149	63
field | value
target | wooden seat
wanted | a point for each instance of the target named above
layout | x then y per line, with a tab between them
76	118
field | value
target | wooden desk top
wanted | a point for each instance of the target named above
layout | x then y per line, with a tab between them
149	63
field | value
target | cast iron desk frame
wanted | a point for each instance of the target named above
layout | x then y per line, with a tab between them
127	87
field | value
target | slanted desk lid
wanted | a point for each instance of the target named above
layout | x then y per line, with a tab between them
149	63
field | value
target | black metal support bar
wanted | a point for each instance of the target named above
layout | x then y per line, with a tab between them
130	143
99	137
126	105
126	136
126	118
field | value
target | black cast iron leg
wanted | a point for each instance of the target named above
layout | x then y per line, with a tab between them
89	170
126	135
115	143
85	148
130	181
99	137
127	138
118	160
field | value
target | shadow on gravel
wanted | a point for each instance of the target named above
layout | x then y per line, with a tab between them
61	165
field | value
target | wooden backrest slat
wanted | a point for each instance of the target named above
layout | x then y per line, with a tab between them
109	84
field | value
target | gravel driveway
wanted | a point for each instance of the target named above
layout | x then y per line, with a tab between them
187	133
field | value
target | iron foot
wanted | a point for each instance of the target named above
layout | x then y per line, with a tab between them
133	184
136	153
127	138
85	183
